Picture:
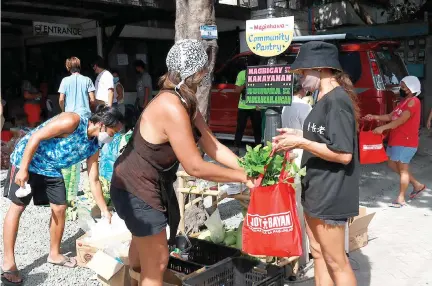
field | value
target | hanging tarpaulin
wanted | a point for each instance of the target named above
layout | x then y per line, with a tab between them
269	85
269	37
57	30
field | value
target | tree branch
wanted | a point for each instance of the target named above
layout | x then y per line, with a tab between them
361	12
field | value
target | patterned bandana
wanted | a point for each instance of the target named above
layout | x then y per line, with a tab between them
186	57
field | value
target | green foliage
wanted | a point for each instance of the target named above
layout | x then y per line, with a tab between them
257	158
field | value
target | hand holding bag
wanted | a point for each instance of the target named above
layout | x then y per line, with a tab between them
371	147
271	225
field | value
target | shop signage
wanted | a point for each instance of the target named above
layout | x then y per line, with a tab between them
56	30
209	32
269	85
269	37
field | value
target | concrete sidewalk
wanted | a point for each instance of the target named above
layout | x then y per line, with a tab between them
399	252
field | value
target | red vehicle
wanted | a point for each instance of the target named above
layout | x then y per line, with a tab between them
373	66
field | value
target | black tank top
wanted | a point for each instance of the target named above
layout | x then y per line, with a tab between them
138	169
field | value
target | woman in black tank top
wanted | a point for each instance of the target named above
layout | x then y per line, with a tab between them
167	133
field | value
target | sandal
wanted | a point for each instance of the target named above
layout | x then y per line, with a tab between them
414	194
397	205
6	281
66	262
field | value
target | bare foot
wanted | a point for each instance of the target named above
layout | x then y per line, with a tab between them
419	187
62	260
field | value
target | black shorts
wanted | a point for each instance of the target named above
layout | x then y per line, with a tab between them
140	218
44	190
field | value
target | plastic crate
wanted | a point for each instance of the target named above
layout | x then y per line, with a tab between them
204	252
185	267
238	271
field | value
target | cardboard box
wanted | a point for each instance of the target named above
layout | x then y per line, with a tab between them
112	272
358	229
121	278
86	250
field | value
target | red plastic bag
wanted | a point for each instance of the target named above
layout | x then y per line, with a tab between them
371	147
271	225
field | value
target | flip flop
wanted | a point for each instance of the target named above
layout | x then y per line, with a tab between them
6	281
397	205
414	194
64	263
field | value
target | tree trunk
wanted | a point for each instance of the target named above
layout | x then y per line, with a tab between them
361	12
190	15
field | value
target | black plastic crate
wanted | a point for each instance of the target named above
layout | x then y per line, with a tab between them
182	266
238	271
205	252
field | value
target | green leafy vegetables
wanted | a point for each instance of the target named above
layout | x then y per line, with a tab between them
257	158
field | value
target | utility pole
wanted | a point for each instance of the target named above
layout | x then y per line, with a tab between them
273	119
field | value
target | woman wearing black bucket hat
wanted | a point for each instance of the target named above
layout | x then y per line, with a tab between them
330	189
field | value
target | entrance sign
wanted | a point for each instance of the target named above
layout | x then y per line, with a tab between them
209	32
269	37
54	29
269	85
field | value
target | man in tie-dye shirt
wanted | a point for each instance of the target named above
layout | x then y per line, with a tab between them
38	159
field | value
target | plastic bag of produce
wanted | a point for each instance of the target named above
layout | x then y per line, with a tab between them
271	226
108	156
215	225
110	153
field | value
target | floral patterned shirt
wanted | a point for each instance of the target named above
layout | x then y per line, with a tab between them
55	154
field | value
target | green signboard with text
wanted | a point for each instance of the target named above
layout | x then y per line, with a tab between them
269	85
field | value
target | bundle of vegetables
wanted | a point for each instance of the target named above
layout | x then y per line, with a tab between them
257	158
231	238
71	177
105	184
87	201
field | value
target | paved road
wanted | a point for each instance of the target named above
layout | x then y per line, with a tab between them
399	252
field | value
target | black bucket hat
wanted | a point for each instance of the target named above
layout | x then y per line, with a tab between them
317	55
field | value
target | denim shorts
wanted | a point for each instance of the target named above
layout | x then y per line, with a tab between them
401	154
336	222
140	218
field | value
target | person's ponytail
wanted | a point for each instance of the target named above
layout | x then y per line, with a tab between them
108	116
187	90
345	82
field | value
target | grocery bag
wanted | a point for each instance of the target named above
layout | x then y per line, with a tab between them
371	147
271	225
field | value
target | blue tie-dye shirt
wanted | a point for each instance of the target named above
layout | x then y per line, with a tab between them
55	154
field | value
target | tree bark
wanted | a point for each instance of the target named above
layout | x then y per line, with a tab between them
190	15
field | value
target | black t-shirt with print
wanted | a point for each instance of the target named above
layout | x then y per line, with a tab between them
331	190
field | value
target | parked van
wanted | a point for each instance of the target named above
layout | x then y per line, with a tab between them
373	66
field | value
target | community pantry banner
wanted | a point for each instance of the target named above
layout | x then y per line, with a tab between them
269	85
269	37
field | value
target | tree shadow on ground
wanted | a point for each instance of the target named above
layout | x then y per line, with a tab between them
39	278
361	266
379	186
36	279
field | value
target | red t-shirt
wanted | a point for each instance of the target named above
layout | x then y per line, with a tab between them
407	134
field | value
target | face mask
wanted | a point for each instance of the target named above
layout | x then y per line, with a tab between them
402	93
104	137
311	81
116	79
